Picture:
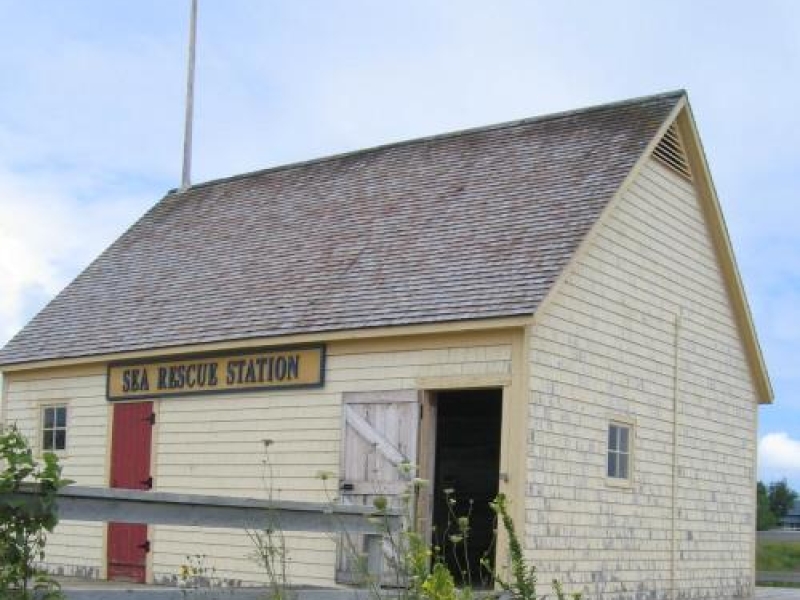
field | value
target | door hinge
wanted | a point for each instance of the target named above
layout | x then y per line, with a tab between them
145	546
147	483
151	418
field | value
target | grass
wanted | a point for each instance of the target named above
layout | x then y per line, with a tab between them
778	556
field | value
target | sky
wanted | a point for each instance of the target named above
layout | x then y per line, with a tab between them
92	99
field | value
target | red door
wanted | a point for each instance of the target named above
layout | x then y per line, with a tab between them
131	436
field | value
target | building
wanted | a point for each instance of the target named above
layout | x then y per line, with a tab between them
792	518
549	308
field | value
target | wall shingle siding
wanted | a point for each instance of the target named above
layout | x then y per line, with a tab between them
604	347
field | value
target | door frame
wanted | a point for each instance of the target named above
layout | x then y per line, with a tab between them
426	452
151	529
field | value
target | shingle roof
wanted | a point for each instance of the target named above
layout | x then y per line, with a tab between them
468	225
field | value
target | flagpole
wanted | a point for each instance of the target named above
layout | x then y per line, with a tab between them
187	136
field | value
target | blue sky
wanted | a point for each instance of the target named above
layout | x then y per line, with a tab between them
91	116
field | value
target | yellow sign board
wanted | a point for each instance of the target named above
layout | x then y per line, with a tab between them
267	368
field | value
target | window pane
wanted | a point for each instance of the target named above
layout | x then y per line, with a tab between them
623	466
61	416
612	470
48	418
623	439
612	437
47	439
61	439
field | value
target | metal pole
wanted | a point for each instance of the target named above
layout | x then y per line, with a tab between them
187	137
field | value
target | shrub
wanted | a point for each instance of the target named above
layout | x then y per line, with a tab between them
25	522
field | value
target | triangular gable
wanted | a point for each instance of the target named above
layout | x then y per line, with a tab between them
689	161
722	244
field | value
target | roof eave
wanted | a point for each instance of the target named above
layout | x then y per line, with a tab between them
393	331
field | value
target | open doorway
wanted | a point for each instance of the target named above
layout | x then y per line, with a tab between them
466	465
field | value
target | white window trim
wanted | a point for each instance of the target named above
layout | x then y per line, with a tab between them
630	423
40	429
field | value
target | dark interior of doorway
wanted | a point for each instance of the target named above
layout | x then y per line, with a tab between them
466	475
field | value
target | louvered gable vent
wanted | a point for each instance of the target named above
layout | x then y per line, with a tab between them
670	152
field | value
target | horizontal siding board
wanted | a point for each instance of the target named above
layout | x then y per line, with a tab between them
206	445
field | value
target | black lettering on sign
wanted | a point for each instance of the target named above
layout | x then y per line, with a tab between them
280	368
294	366
191	376
270	362
263	368
250	373
262	363
231	371
144	384
135	380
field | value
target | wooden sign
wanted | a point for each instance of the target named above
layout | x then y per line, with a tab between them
267	368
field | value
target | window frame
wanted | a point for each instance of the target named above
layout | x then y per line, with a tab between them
630	425
43	408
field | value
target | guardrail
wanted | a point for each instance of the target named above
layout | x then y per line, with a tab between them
163	508
779	535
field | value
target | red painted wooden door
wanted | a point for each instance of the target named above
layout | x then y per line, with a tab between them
131	437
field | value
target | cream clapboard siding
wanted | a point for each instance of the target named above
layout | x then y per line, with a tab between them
604	348
74	548
214	445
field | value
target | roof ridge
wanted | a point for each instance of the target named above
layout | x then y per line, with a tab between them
438	136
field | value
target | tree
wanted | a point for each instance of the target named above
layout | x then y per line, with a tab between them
781	498
765	519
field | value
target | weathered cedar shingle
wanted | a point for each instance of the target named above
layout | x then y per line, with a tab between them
469	225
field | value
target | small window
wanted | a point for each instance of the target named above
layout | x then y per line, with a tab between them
619	451
54	428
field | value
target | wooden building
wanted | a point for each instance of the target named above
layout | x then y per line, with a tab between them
549	308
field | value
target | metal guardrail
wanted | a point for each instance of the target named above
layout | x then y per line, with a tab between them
82	503
779	535
194	510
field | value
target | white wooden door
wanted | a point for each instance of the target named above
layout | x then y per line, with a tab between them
379	458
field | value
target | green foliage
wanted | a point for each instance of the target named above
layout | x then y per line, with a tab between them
559	590
25	522
773	502
781	498
778	556
421	572
269	542
765	518
522	585
439	584
453	543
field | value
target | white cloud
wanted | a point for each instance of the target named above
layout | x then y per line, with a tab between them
779	454
46	236
94	106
